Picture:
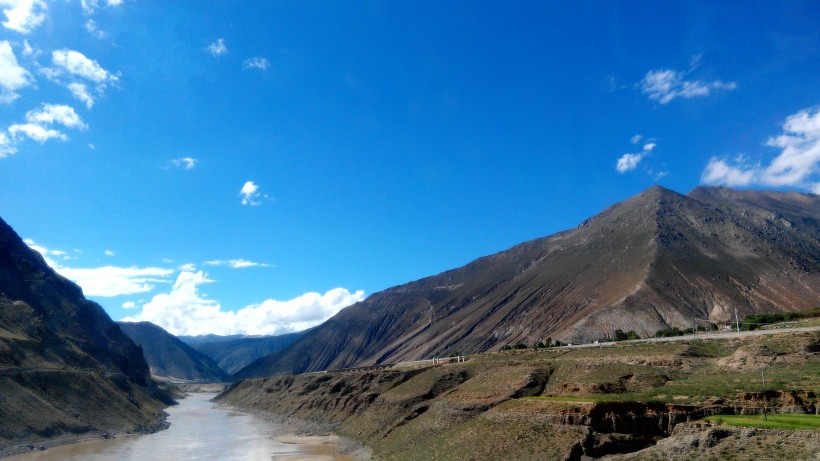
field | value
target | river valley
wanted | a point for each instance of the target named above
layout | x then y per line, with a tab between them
200	430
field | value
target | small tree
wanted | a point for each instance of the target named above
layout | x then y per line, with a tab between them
620	335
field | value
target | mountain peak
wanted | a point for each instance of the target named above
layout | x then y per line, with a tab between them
647	263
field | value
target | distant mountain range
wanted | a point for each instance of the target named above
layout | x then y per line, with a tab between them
205	358
655	261
232	353
170	358
66	368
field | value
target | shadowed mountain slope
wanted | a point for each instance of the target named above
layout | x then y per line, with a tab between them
235	353
65	367
654	261
168	357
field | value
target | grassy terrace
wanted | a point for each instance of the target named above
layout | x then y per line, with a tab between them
775	421
690	372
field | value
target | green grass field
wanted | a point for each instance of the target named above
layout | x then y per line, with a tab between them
776	421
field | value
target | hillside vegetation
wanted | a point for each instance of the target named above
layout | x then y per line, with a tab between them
558	403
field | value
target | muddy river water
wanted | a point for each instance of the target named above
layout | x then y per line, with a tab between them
200	430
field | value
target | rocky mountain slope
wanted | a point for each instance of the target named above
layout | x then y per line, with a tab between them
655	261
170	358
65	367
234	353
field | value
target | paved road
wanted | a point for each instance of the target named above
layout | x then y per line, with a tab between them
701	335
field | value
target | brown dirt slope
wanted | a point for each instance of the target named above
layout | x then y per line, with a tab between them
555	404
652	262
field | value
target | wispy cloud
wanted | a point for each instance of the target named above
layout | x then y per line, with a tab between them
235	263
13	76
256	62
630	161
73	69
39	121
250	194
76	63
6	146
23	16
666	85
184	311
186	163
35	132
218	47
80	91
92	28
109	253
106	280
797	164
91	6
56	113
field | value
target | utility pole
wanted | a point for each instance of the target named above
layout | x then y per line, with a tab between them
737	321
763	380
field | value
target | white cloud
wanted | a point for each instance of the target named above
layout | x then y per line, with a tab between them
91	28
36	132
636	139
129	305
719	171
90	6
12	76
48	114
250	194
186	163
799	159
189	267
23	15
797	165
76	63
109	253
115	281
236	263
666	84
630	161
218	47
184	311
256	62
56	113
28	51
107	280
6	146
80	91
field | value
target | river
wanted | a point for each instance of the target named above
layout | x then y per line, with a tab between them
200	430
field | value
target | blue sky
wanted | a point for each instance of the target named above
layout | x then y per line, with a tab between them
253	167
